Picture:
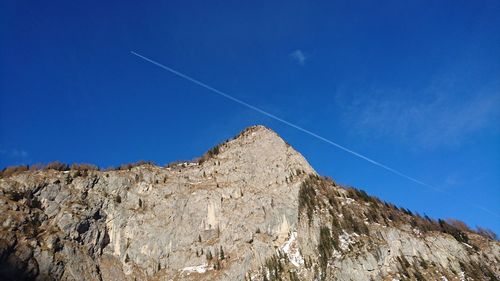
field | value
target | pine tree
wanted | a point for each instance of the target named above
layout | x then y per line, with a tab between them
221	253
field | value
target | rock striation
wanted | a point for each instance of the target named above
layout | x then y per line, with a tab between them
251	208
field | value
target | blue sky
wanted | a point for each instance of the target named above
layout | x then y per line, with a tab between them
412	84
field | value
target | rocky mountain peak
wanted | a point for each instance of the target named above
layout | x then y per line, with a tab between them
257	155
251	208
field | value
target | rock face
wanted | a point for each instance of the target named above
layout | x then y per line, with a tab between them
251	209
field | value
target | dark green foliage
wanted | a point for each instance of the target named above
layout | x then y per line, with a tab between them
419	276
453	231
17	195
221	253
352	225
32	201
325	248
333	203
14	195
335	224
214	150
31	226
308	262
329	180
307	197
478	271
423	264
389	214
372	214
405	261
211	153
404	264
216	265
361	194
274	268
293	276
316	273
209	255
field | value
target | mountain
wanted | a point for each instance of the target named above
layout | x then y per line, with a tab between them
251	208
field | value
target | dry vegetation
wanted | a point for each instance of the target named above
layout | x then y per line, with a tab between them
211	153
58	166
320	196
13	170
217	148
133	165
374	211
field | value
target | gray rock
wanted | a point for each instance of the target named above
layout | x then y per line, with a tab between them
155	223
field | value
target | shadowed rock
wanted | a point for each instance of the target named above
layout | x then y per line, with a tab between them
251	207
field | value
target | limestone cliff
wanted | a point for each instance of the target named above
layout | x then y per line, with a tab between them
251	208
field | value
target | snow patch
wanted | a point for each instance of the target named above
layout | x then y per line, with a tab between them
461	275
417	232
347	201
443	278
345	240
198	269
467	245
291	249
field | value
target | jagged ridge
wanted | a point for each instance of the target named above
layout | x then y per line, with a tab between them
251	208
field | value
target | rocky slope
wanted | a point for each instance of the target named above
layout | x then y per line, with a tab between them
252	208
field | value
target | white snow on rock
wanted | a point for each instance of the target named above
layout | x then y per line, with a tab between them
347	201
346	240
198	269
291	249
417	232
467	245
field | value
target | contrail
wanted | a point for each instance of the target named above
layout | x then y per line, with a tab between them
270	115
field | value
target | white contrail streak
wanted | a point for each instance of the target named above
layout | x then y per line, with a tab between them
227	96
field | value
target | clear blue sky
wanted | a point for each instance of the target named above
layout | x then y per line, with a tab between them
412	84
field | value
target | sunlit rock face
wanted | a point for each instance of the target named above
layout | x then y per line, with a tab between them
251	208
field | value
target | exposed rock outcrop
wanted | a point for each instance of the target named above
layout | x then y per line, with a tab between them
252	208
